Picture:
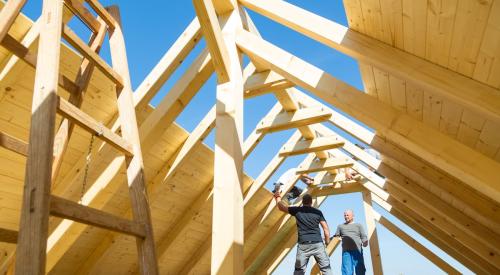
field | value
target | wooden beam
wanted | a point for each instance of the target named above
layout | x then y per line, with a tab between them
85	121
8	236
428	254
224	6
295	119
371	232
8	15
170	61
265	82
278	254
439	238
422	140
324	165
67	209
33	226
455	216
227	213
311	146
84	14
148	263
467	92
91	55
13	144
257	135
337	189
213	36
28	56
103	13
478	204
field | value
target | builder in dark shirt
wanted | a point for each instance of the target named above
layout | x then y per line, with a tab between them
309	235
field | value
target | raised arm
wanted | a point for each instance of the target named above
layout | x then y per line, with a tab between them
326	231
281	205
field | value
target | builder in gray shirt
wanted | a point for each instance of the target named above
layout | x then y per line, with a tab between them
353	236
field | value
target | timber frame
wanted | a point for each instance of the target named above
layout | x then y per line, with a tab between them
423	138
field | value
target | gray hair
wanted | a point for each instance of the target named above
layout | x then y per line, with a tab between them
349	211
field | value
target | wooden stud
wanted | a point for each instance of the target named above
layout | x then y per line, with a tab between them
8	236
224	6
337	189
454	86
14	144
428	254
67	209
84	14
372	233
295	119
440	150
8	15
167	65
310	146
211	29
33	227
325	165
91	55
148	263
83	120
103	13
265	82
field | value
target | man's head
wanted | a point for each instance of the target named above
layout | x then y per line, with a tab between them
307	200
348	216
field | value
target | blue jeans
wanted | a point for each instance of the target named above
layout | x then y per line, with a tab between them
353	261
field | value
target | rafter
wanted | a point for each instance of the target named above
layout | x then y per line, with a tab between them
265	82
325	165
311	146
470	93
420	139
295	119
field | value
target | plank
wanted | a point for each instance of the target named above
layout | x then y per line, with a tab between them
8	15
227	214
85	121
371	232
392	22
14	144
418	138
449	84
86	51
344	188
83	14
170	61
265	82
324	165
8	236
33	226
148	262
414	101
288	120
440	21
103	13
428	254
470	128
67	209
310	146
414	26
212	32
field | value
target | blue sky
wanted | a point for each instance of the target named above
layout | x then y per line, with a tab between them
151	27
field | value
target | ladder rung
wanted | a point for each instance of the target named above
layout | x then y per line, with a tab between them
18	49
85	121
76	42
67	209
13	144
8	236
84	14
103	13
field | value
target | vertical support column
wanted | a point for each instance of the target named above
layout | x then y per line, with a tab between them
148	263
33	227
372	233
227	220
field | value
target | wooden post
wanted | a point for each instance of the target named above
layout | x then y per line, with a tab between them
135	167
372	233
32	241
227	219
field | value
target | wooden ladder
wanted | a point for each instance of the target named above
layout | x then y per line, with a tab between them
38	203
